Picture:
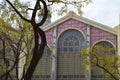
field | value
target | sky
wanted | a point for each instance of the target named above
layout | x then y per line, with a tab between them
103	11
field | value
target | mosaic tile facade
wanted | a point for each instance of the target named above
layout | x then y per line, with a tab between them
72	24
92	35
95	33
98	34
49	36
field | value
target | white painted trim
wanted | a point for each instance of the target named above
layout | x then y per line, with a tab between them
49	47
95	24
70	29
72	15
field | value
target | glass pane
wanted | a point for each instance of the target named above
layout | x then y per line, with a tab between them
68	56
73	39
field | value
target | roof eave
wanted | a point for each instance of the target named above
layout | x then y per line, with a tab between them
82	19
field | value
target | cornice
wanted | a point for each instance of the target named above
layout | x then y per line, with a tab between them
72	15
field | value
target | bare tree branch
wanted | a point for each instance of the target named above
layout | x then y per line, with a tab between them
17	11
45	13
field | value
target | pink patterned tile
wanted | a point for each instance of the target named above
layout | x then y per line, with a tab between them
49	35
72	24
98	34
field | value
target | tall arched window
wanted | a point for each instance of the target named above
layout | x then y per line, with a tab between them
69	60
71	41
102	50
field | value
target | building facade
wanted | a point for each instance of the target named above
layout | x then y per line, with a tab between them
66	38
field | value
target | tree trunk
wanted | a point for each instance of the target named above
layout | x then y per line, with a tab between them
37	53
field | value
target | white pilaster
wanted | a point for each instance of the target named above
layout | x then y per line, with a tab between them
88	76
54	56
22	60
118	37
118	40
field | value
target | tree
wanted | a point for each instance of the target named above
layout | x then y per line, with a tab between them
42	7
105	59
13	43
14	40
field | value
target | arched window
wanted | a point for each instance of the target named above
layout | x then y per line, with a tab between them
71	41
101	51
107	47
69	60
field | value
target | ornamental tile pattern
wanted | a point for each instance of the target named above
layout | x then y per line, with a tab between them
98	34
95	33
74	24
49	36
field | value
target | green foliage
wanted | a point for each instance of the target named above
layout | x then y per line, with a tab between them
105	59
63	6
8	15
3	26
17	35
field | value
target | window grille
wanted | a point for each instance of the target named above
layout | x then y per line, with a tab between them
69	60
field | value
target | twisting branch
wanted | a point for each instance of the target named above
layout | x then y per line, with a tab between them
35	11
106	70
45	13
17	11
103	63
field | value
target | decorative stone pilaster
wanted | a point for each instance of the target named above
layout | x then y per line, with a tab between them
118	42
88	75
118	39
54	56
22	60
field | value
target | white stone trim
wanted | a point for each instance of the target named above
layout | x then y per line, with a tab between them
71	29
72	15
